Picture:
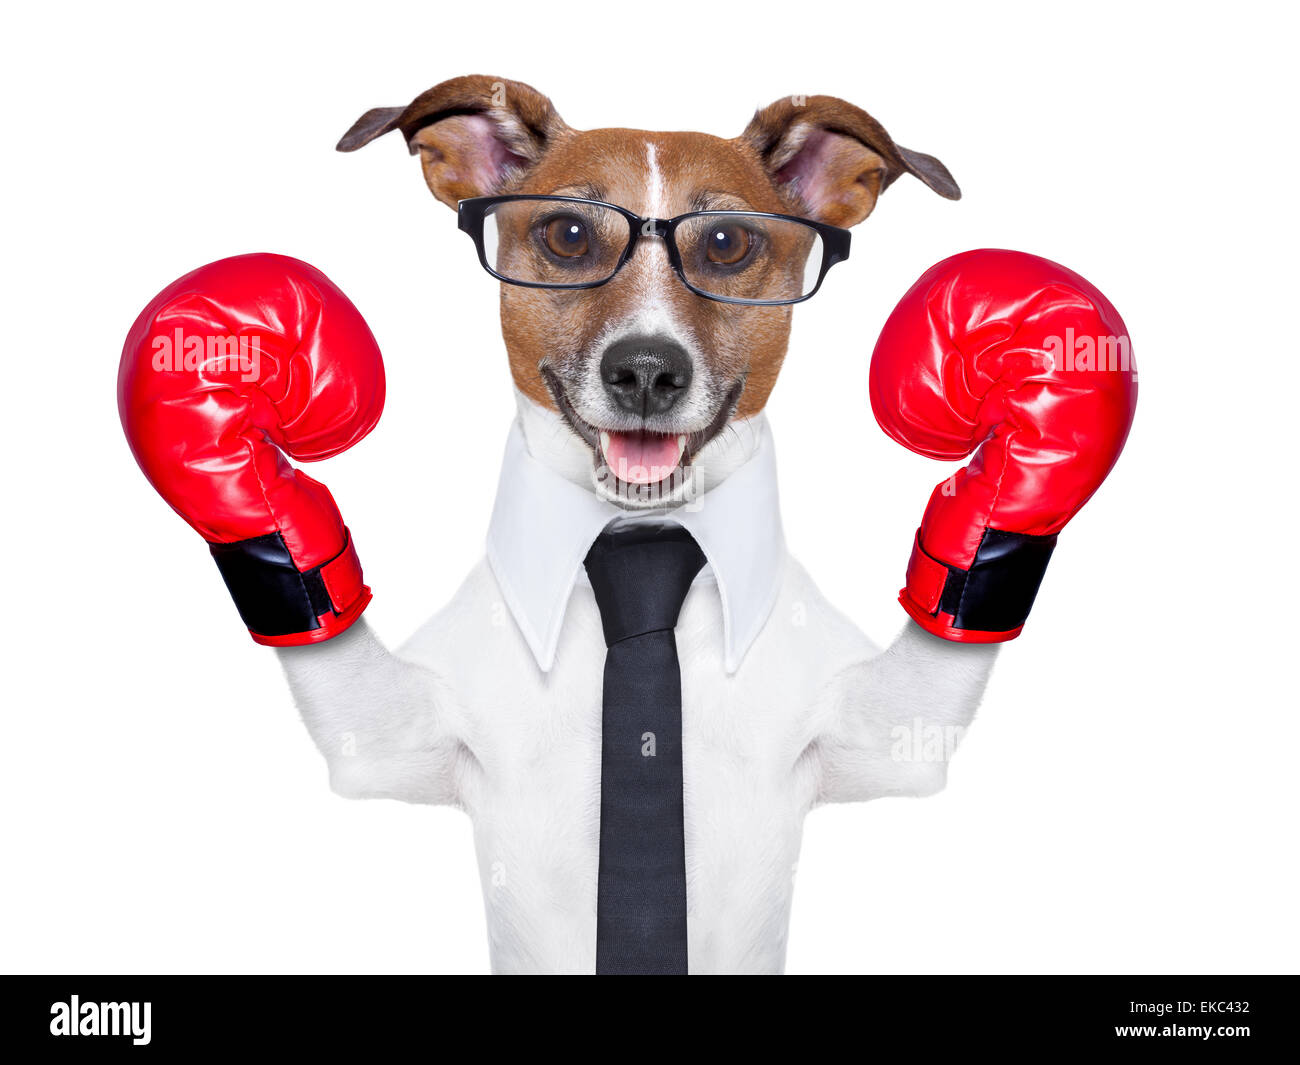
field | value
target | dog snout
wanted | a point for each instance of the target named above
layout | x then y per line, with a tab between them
646	375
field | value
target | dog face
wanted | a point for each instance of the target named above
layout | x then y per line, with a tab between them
645	372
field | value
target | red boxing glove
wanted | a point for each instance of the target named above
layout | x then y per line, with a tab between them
1027	365
226	371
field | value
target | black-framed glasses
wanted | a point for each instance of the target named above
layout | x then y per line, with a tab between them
565	242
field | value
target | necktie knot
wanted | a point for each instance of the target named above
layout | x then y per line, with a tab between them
640	575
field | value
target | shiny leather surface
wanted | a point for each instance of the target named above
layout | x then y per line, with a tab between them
987	354
214	436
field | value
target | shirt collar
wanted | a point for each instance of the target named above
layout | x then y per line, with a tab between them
544	524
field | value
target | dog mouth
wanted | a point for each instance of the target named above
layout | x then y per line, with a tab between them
642	458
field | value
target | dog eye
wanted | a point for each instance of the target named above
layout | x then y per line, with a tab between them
566	236
728	243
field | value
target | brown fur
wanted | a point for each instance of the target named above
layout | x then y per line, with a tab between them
816	156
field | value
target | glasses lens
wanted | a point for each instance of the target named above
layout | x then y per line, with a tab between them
554	242
749	257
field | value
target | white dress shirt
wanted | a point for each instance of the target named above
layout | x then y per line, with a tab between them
543	525
495	706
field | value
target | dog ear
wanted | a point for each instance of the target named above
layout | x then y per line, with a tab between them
374	123
832	160
475	135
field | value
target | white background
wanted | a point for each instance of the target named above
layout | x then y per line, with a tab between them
1126	800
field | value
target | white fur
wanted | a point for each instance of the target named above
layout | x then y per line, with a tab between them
461	715
658	202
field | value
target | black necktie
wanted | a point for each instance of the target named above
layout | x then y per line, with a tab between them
640	575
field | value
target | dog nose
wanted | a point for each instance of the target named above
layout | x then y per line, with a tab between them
645	375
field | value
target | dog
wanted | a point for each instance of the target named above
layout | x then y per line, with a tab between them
639	400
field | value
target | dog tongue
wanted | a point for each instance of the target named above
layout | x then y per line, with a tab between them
641	457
